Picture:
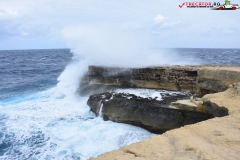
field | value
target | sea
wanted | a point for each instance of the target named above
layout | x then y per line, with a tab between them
40	120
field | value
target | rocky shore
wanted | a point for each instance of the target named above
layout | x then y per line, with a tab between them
212	91
216	139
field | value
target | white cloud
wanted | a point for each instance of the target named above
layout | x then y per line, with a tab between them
171	24
159	19
8	14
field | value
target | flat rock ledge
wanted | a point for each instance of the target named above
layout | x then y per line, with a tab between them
151	114
192	104
215	139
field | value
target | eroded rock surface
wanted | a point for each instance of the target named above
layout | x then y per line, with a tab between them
200	79
179	78
212	79
224	103
155	116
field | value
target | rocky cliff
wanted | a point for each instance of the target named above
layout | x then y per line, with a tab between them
199	79
217	138
158	116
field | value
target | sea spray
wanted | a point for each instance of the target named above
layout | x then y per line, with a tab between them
112	46
70	78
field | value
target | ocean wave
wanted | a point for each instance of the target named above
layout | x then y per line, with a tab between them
48	125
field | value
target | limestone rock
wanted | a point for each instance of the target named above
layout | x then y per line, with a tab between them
155	116
214	79
192	104
200	79
224	103
215	139
181	78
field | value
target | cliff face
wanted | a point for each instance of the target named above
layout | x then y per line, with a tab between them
222	102
216	79
171	78
199	79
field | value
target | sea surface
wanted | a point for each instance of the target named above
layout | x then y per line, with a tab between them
43	118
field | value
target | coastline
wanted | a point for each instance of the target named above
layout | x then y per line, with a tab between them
216	138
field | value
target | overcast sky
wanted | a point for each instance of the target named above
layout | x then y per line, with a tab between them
31	24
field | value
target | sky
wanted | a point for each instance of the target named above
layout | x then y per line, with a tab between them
46	24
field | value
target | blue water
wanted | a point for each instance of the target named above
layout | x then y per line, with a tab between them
211	56
42	118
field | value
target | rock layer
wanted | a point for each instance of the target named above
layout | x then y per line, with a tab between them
200	79
224	103
155	116
214	79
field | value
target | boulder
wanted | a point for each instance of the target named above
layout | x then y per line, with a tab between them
155	116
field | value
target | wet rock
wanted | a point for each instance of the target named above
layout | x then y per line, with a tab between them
155	116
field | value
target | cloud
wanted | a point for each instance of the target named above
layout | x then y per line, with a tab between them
171	24
8	14
159	19
29	19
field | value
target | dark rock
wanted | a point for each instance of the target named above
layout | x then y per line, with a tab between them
216	110
150	114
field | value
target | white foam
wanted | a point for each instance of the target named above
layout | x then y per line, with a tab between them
66	127
147	93
100	110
